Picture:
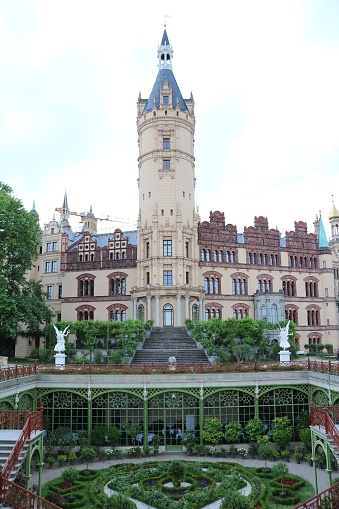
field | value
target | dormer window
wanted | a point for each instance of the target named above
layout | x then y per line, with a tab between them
166	99
166	164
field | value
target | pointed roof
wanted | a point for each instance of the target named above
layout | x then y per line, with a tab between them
34	211
154	98
333	212
165	39
322	239
65	203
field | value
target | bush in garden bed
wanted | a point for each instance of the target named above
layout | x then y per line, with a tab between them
88	477
265	472
290	496
77	503
64	491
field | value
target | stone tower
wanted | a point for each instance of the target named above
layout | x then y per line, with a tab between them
167	288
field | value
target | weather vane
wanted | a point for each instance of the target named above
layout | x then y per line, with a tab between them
166	16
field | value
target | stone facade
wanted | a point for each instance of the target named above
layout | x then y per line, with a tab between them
176	266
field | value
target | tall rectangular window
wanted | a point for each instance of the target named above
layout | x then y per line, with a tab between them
187	279
147	250
167	245
147	278
55	246
54	266
48	247
166	99
48	267
49	292
166	143
186	249
166	164
60	292
167	278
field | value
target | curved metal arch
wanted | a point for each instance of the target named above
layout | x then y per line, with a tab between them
265	390
7	400
78	392
138	393
195	392
211	390
314	390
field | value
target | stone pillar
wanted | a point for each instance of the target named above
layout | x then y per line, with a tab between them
149	307
157	310
202	309
134	308
178	311
187	307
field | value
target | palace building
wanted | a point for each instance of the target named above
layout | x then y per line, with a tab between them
176	266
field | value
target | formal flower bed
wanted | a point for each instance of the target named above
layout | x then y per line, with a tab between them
159	484
291	482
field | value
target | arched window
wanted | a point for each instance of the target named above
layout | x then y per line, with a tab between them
195	313
215	256
213	310
85	312
117	283
289	286
208	255
203	255
86	285
263	313
220	256
117	312
141	312
240	311
273	313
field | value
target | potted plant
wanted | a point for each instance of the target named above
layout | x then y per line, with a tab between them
156	443
242	452
50	460
72	457
233	450
189	441
62	458
147	449
285	454
298	456
308	458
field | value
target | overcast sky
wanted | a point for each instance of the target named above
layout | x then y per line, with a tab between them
264	76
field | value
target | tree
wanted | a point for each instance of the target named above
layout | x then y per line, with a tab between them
282	432
280	470
265	450
176	471
21	301
87	454
212	431
233	432
254	429
71	475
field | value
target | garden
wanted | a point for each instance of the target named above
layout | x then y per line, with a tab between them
178	484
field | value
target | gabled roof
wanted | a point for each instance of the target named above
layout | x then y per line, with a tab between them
165	74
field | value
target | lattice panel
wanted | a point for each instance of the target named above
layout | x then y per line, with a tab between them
7	405
25	402
156	392
319	398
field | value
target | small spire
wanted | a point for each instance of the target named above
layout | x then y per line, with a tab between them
322	239
34	209
65	203
333	212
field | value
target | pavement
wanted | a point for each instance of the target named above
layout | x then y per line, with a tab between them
302	469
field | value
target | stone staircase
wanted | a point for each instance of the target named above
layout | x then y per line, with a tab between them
165	342
8	439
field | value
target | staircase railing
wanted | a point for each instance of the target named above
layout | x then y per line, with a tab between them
328	498
17	497
12	419
326	416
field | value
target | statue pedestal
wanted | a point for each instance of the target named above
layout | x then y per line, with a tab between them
60	360
285	357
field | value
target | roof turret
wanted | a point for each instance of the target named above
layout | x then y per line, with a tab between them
165	78
334	214
322	239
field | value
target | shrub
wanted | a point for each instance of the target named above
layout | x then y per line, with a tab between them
236	501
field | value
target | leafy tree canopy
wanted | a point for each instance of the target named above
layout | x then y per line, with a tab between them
21	301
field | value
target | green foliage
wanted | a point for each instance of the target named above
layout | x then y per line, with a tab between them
212	431
236	501
21	301
254	429
265	451
118	501
233	431
305	436
303	419
176	471
282	432
113	436
98	436
71	475
87	454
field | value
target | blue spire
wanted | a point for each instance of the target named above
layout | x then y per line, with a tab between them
322	240
34	211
